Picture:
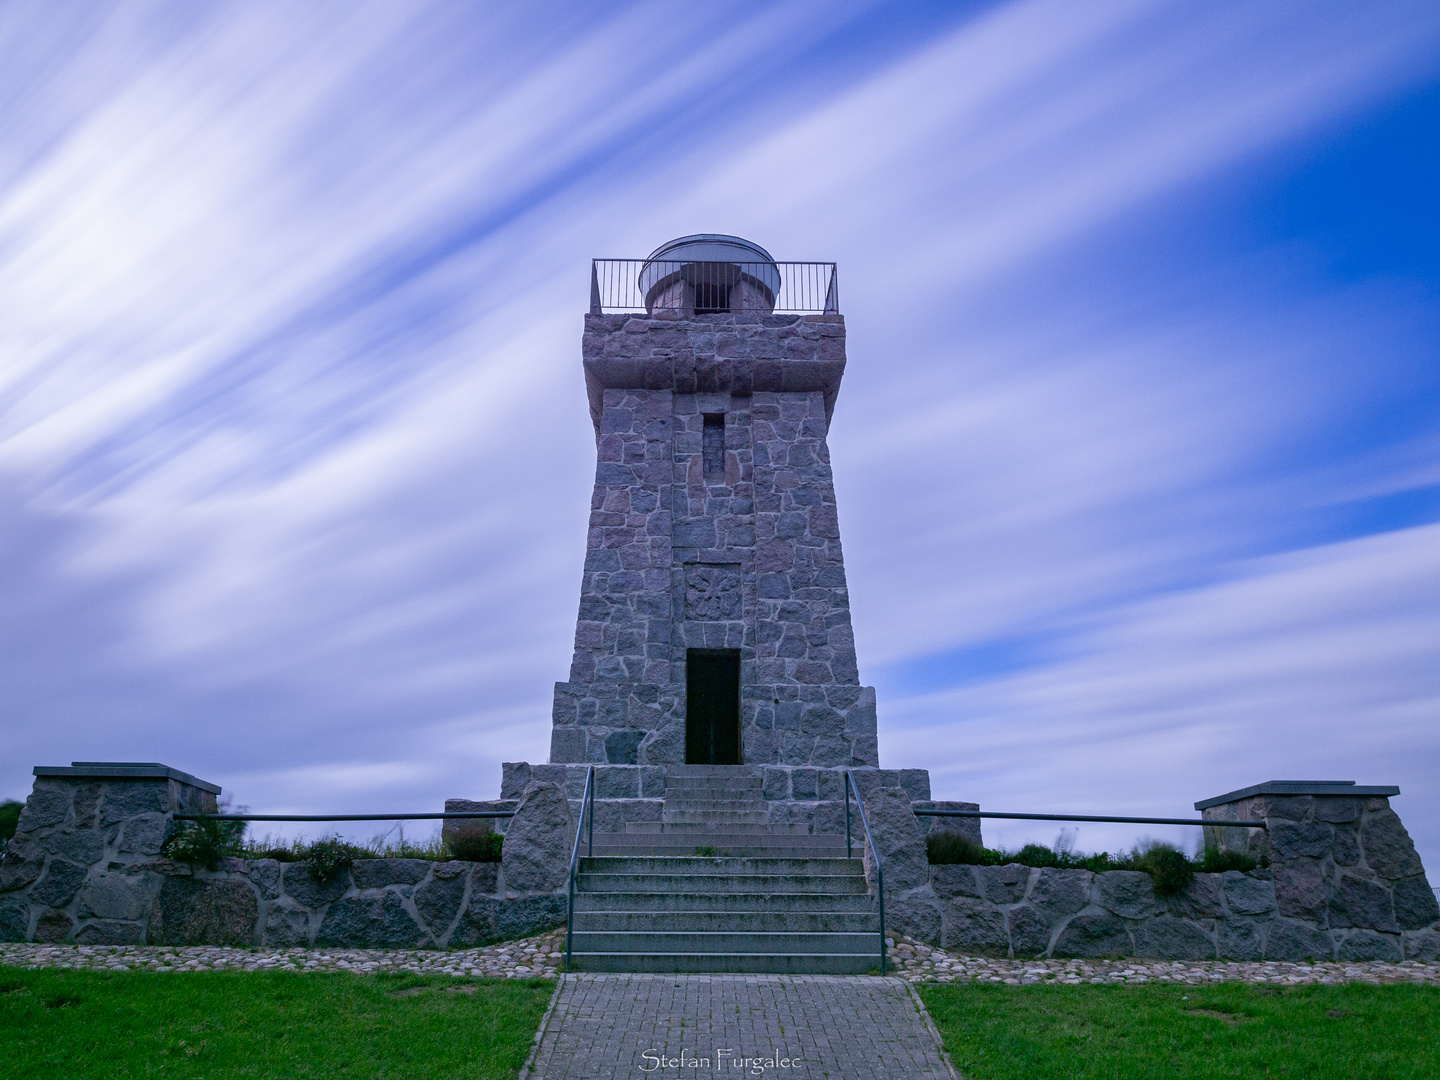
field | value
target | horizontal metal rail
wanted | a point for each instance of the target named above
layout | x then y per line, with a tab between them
701	288
1093	817
345	817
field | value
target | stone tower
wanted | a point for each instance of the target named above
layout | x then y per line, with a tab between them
714	622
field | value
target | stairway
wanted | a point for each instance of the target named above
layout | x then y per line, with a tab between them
713	887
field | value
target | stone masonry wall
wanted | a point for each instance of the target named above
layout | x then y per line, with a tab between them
794	795
1343	883
85	866
1345	869
747	558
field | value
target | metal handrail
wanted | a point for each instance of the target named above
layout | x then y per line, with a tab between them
587	802
1076	817
345	817
850	786
700	287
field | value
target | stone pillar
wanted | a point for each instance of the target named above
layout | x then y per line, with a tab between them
1348	881
81	866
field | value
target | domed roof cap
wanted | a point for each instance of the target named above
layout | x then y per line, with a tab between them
710	247
677	259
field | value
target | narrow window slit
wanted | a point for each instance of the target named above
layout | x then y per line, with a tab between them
713	446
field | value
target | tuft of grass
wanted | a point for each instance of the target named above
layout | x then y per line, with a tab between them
1214	1032
254	1025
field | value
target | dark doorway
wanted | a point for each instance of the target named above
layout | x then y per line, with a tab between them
712	707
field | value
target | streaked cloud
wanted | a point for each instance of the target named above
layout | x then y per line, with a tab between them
294	447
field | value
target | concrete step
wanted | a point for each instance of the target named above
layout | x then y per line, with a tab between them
720	865
839	884
715	817
801	845
736	963
705	828
738	785
754	850
687	803
714	771
713	837
673	900
731	942
699	922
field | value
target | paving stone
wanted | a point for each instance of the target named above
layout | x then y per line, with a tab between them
856	1027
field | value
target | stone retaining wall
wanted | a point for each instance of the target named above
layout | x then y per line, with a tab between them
1343	883
85	866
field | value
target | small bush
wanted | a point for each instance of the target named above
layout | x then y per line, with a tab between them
9	818
949	849
205	842
475	846
326	859
328	856
1172	871
1215	861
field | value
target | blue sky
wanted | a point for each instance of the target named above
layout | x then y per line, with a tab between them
1138	453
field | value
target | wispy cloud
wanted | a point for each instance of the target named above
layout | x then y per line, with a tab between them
294	445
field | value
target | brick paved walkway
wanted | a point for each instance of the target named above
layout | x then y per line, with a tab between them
799	1027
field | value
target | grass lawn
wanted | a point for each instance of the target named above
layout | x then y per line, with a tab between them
1224	1030
264	1024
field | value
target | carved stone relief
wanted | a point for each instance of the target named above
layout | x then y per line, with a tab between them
712	591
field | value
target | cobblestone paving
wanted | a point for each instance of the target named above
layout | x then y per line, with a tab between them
922	963
541	955
544	954
852	1027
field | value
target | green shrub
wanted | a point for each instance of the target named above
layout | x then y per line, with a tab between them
9	818
326	859
1172	871
472	845
205	842
329	856
1215	861
948	849
1038	855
